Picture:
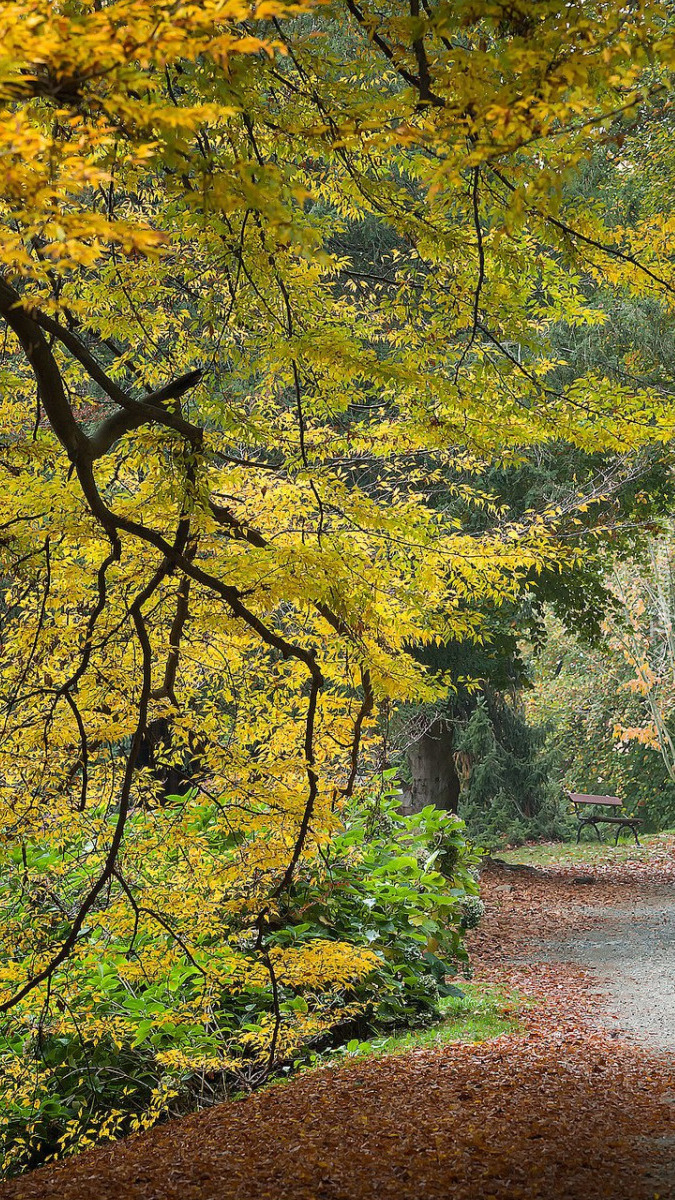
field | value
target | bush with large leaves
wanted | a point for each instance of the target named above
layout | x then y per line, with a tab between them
148	1025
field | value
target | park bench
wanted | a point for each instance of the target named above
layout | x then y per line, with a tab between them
583	807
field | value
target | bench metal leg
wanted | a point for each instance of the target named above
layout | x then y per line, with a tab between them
628	825
588	822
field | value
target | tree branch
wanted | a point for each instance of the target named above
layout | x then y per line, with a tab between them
108	868
52	392
30	326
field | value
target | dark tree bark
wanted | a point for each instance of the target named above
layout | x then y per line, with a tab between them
434	778
174	778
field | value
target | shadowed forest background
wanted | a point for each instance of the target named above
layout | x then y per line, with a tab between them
336	516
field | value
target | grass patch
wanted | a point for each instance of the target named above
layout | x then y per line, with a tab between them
480	1014
560	853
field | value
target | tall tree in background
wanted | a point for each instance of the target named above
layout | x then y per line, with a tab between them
625	178
473	751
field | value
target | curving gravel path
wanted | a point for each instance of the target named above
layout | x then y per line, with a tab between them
631	952
625	940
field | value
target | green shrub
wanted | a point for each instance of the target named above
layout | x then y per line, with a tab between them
120	1054
399	885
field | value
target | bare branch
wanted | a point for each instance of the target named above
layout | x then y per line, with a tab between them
481	268
364	712
37	351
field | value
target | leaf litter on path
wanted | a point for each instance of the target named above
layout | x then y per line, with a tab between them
560	1111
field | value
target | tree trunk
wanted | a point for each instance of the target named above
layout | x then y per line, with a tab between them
173	778
434	778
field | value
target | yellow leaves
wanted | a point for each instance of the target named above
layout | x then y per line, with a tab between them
97	41
319	964
645	735
80	105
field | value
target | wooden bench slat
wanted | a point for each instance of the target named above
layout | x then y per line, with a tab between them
582	798
616	820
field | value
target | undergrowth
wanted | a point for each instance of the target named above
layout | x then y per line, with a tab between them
478	1014
588	852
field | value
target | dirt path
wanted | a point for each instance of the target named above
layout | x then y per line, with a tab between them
625	944
568	1109
630	950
